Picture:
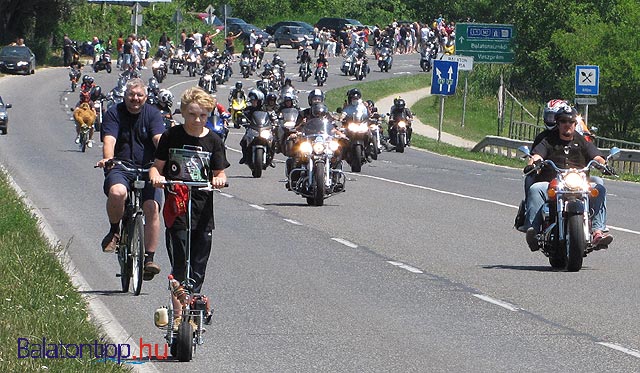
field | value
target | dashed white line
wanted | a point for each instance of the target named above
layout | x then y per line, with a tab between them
345	242
257	207
628	351
292	221
226	195
405	266
497	302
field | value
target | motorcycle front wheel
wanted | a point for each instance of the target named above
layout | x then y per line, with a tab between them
318	186
400	143
356	158
258	156
576	243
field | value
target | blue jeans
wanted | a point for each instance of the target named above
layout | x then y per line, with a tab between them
537	196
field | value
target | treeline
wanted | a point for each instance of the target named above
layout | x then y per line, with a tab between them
551	38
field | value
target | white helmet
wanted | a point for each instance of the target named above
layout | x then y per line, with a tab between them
165	97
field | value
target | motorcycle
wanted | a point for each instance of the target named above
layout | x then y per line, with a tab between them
427	54
398	126
159	68
259	138
223	71
321	74
385	58
208	82
192	62
376	136
258	52
74	76
347	67
238	104
318	174
305	71
360	68
356	127
218	124
176	63
566	226
103	63
245	67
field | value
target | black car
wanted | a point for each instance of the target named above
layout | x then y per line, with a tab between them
4	116
272	29
246	32
294	36
337	24
17	59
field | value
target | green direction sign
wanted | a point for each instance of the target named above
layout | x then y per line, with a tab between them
485	42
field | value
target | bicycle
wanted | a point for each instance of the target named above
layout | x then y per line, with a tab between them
130	248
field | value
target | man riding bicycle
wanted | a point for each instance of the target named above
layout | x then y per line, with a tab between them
131	131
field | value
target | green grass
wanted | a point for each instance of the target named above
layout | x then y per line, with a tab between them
37	298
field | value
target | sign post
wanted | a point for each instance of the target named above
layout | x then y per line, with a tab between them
465	63
136	19
587	83
443	82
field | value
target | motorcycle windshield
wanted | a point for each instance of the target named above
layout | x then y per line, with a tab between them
317	126
260	119
289	115
356	114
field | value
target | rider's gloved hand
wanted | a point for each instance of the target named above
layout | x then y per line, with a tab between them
609	170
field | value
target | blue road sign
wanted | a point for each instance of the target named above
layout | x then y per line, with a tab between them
587	80
445	77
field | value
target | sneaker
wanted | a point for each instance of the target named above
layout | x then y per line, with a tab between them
532	240
601	240
78	139
150	270
90	144
110	242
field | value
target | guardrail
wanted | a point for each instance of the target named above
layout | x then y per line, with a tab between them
627	162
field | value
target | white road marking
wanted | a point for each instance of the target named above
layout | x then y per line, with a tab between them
628	351
345	242
497	302
470	197
405	266
257	207
292	221
226	195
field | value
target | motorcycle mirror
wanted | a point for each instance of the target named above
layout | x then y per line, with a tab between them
594	129
614	153
524	149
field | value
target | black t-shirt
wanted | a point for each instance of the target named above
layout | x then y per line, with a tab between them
201	201
574	153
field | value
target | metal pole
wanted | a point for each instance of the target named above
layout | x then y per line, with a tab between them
441	117
464	98
135	18
586	115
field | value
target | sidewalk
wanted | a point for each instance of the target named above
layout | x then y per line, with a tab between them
420	128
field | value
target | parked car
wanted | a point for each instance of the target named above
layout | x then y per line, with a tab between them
235	21
17	59
4	116
293	36
246	31
337	24
272	29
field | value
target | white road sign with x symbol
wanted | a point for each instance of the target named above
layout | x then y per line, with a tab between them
587	80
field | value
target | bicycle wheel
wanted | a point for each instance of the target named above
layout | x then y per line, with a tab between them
124	258
136	248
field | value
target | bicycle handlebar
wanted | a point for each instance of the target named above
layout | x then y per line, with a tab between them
204	185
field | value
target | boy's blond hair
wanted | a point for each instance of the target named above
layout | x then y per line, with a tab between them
199	96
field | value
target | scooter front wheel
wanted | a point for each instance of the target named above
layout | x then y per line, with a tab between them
184	341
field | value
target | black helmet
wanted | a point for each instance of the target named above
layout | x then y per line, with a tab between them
87	79
316	96
272	98
238	85
400	104
354	93
96	93
566	112
319	110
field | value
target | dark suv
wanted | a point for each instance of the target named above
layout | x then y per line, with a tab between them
337	24
4	116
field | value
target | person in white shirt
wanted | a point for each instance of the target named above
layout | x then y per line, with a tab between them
198	38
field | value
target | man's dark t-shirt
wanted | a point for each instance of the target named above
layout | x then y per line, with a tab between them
133	132
202	202
575	153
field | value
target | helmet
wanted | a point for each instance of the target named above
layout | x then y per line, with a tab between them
370	103
154	86
316	95
566	112
319	110
166	97
399	103
272	99
321	55
88	80
256	94
551	109
238	85
96	93
354	94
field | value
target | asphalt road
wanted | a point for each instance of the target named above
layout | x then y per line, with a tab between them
416	267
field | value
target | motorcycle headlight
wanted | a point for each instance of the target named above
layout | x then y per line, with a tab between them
22	63
318	147
573	181
402	124
306	148
265	134
334	145
357	127
380	58
289	125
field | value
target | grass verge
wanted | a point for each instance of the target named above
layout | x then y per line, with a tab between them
38	300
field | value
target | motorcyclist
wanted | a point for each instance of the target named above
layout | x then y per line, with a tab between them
362	55
321	61
85	97
400	108
154	90
247	52
256	99
271	102
304	58
237	93
164	103
566	148
316	96
355	108
87	83
219	111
